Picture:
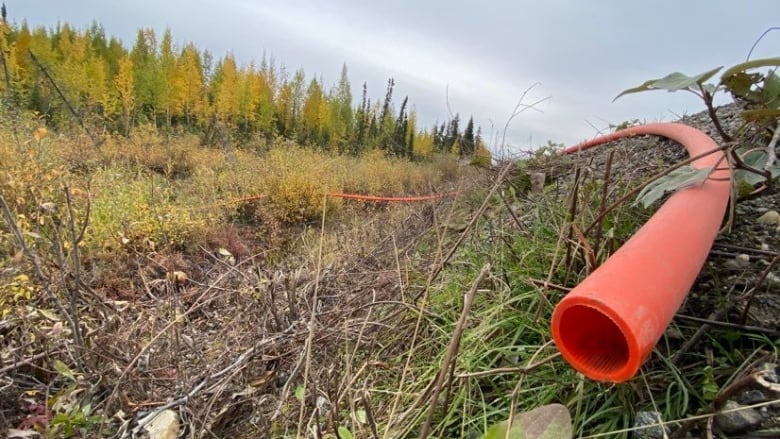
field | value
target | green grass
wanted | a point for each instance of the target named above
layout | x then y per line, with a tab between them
508	327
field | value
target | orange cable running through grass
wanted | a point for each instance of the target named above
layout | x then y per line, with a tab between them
391	199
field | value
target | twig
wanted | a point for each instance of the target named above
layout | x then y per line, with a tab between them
72	110
75	240
517	369
452	349
748	328
714	407
707	97
747	249
369	414
692	340
439	267
771	152
28	360
517	221
8	89
552	286
590	255
750	53
237	363
602	203
701	417
655	177
519	108
572	216
286	389
313	314
752	293
38	269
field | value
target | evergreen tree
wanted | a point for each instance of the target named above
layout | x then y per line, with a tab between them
452	135
468	142
167	71
386	126
362	121
341	119
170	86
147	79
401	127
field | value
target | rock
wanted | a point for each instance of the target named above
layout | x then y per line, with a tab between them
771	217
740	262
772	280
738	419
751	397
164	426
652	430
537	182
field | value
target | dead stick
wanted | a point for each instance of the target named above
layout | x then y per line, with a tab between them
752	293
603	204
64	99
452	350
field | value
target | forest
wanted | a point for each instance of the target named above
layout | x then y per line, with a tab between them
68	76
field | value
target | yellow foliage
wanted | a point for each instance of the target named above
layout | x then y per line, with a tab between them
297	182
482	157
149	188
129	211
18	290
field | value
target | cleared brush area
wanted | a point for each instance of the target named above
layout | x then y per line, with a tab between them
149	277
151	271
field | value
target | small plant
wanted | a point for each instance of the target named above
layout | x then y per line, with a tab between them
71	417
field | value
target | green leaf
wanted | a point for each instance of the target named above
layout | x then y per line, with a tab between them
741	85
299	393
672	82
756	63
647	85
709	387
756	159
361	416
64	370
547	422
678	81
771	94
677	179
754	115
344	433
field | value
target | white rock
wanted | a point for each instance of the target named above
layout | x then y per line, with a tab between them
771	217
164	426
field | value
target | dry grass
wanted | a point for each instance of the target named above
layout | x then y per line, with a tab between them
181	284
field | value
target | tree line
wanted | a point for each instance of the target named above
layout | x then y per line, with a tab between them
179	87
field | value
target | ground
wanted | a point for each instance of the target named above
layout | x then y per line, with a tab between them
348	322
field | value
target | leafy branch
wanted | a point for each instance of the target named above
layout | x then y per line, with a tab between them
757	93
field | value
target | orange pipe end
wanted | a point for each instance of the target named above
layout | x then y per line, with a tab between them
607	326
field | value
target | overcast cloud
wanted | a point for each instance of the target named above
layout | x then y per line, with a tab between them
481	56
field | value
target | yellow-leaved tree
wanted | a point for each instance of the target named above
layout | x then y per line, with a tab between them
124	89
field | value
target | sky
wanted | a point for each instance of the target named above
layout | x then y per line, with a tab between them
465	57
